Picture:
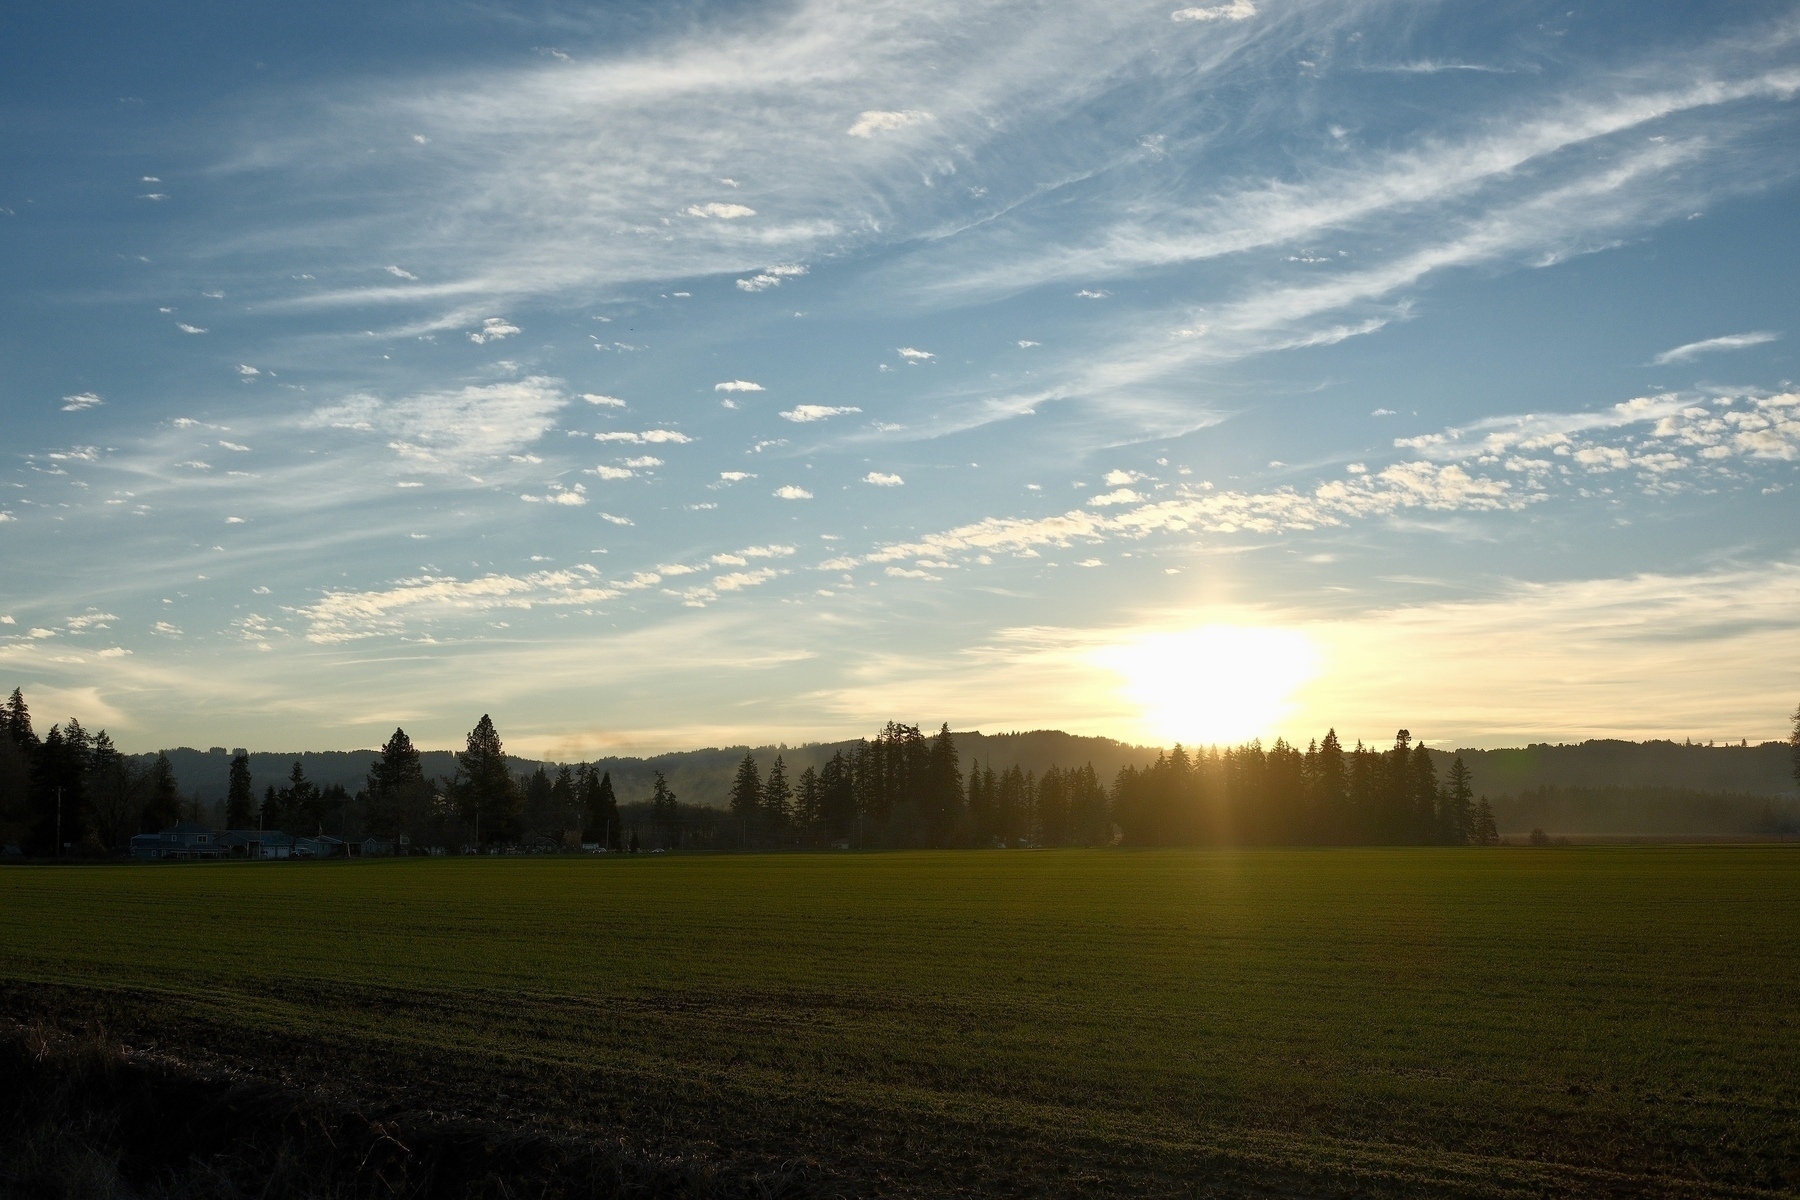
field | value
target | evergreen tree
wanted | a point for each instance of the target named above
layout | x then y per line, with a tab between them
808	810
240	796
564	806
270	815
488	799
115	797
538	796
162	805
1457	826
837	796
1331	791
398	800
943	787
1483	831
777	798
600	810
15	719
1422	796
747	800
664	812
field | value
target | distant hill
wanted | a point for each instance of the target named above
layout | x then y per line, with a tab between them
704	776
1761	770
697	776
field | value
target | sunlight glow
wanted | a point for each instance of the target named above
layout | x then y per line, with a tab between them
1214	684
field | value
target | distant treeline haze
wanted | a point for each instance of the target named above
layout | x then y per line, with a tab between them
899	788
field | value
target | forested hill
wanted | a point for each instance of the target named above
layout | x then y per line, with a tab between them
1764	770
704	776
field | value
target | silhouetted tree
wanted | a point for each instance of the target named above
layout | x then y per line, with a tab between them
943	788
747	799
162	805
397	798
1457	823
777	798
485	793
665	812
599	810
240	795
1482	830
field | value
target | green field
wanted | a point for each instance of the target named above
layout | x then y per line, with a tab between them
1592	1019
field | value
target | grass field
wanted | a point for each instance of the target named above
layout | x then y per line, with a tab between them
1621	1020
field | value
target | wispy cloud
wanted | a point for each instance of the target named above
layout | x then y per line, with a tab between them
1731	341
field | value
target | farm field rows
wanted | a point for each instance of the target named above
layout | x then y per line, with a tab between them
1619	1019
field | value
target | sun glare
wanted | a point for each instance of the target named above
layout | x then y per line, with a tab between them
1213	684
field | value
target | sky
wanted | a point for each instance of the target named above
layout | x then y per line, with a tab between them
664	375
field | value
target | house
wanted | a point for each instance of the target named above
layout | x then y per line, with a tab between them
182	840
256	843
322	846
374	847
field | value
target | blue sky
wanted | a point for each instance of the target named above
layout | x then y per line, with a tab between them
663	375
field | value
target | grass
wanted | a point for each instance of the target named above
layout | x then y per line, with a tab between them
1609	1019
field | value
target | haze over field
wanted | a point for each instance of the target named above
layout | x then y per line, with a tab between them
660	376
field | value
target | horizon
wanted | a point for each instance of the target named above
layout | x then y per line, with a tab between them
726	375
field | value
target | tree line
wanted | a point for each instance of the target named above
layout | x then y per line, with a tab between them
899	788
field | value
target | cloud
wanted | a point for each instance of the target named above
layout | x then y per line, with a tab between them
916	355
1122	496
724	212
603	401
643	461
880	479
492	330
651	436
1026	344
1121	478
770	277
606	472
415	604
567	497
734	476
788	491
816	412
876	121
737	385
1092	294
1237	10
611	519
81	401
1731	341
402	273
452	430
186	328
237	447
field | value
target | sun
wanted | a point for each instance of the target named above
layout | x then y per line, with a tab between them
1213	684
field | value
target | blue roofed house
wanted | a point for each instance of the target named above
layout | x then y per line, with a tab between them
257	843
182	840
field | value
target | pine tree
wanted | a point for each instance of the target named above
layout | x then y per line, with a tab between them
1482	830
665	812
240	795
397	793
807	806
747	800
1422	793
16	720
485	785
943	793
1458	816
162	807
563	805
778	797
